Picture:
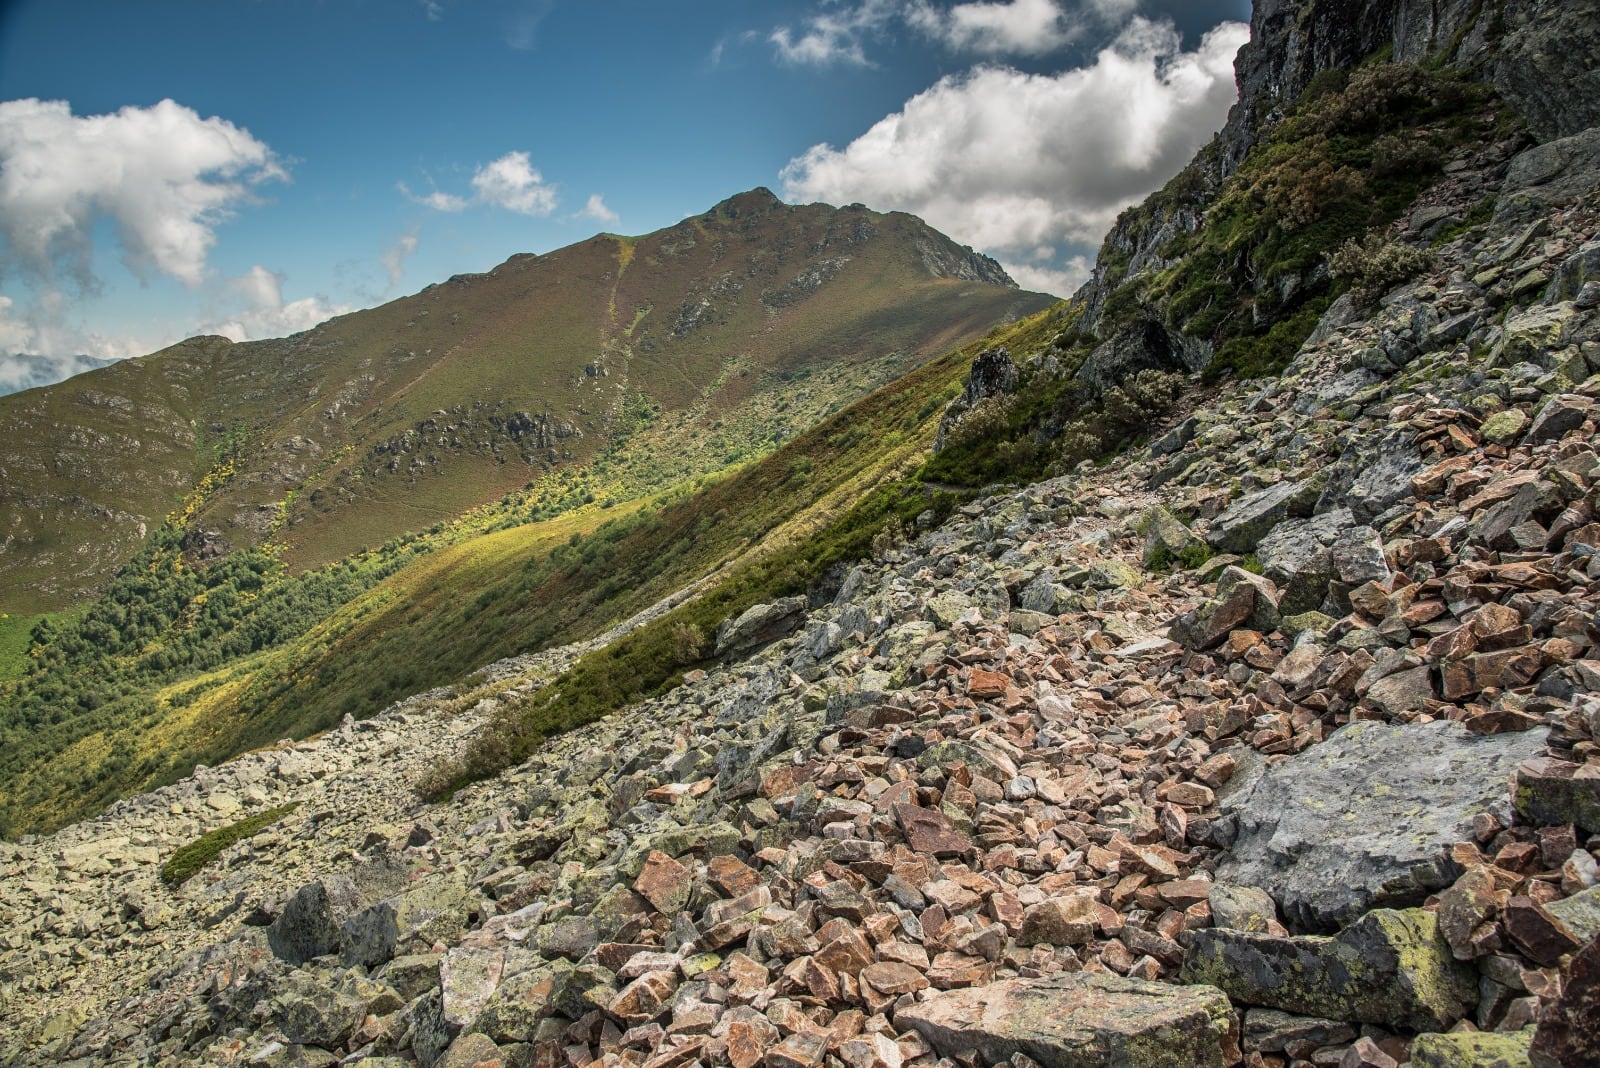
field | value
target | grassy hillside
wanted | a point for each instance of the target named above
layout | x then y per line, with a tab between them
187	674
389	420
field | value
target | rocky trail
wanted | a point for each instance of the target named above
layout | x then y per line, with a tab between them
1024	791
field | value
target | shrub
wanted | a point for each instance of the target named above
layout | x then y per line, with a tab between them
1374	266
187	861
688	643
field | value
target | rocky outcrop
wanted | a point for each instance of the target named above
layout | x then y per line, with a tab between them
993	374
1367	818
1390	968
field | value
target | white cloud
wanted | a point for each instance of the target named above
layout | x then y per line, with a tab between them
596	209
265	314
1026	27
840	34
394	258
433	9
42	329
437	200
510	182
1008	161
834	37
1057	281
163	175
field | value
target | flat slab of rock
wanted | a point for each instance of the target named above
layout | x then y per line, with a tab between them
1390	967
1247	520
1081	1019
1365	819
1471	1050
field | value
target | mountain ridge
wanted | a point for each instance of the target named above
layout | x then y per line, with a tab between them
476	385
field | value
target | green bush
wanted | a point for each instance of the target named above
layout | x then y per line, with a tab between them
188	860
1373	266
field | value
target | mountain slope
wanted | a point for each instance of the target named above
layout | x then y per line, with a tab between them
392	419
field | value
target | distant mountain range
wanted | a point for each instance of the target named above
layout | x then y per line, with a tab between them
709	341
20	371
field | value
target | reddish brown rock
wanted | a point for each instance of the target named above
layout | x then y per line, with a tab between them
803	1049
889	977
664	883
1540	935
1567	1034
930	831
987	685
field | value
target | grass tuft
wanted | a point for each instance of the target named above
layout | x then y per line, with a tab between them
187	861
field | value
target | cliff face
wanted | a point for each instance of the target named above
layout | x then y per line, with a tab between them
1535	55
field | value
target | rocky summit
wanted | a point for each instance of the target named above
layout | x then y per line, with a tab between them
1274	740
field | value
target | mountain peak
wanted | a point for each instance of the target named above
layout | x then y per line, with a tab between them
757	201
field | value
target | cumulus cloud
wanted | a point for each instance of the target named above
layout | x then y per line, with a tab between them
1009	161
836	36
840	34
264	313
510	182
164	176
1025	27
394	258
596	209
42	340
438	201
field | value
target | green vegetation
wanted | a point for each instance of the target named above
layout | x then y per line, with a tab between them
1189	558
110	666
873	458
187	861
1351	157
16	634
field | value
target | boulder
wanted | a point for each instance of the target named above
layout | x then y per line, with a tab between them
1366	818
1373	473
513	1011
1469	1049
311	1013
1166	540
1242	908
1297	556
1243	599
468	978
1551	791
1390	968
1142	345
1505	427
472	1051
993	373
1079	1020
1249	519
1560	416
760	624
1579	913
436	909
308	926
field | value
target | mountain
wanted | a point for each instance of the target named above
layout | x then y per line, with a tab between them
726	333
20	371
1220	689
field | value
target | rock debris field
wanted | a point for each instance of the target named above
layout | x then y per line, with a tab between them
1024	791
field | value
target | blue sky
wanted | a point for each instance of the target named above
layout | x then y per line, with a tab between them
250	166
